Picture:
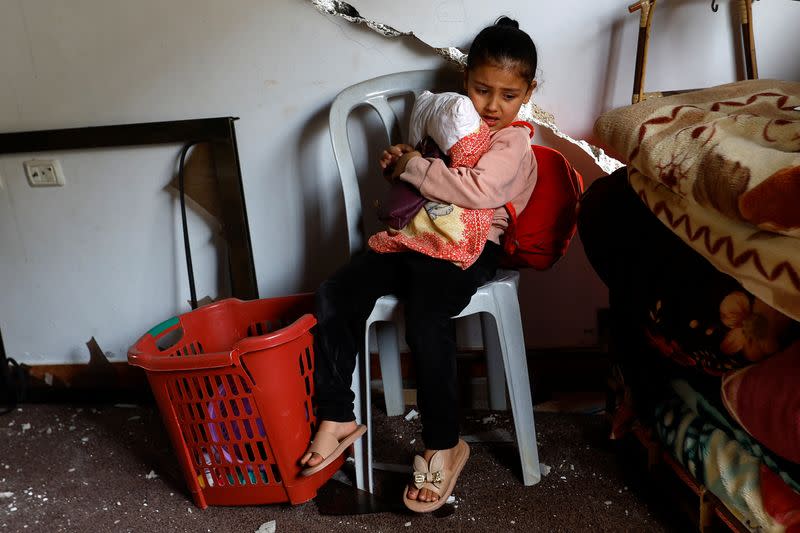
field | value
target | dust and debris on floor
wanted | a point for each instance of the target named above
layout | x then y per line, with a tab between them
111	468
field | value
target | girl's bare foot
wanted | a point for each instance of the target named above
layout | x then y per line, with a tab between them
339	429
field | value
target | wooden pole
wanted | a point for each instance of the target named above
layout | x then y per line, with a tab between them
645	20
748	40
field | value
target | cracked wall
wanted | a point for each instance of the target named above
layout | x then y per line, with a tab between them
531	111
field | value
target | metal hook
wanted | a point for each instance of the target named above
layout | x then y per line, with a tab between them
714	6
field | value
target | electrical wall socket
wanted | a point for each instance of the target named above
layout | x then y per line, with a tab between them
44	172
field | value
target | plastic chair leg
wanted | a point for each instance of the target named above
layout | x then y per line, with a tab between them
495	368
389	353
362	448
519	388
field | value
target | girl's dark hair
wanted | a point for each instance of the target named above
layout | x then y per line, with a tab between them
504	43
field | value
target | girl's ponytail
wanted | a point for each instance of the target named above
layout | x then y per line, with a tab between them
505	21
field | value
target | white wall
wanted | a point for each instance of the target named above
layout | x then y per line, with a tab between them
103	256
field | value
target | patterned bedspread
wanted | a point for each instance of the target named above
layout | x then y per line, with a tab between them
721	168
767	264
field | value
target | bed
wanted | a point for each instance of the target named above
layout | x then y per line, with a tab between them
698	241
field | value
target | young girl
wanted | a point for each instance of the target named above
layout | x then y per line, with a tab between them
499	78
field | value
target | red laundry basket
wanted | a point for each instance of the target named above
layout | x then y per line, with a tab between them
233	382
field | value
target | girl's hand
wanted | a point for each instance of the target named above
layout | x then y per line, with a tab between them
400	166
390	156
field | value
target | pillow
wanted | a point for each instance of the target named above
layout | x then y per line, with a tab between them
765	399
780	501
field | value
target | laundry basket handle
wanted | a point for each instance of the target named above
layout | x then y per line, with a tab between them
275	338
148	355
139	355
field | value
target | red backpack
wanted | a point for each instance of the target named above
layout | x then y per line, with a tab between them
539	236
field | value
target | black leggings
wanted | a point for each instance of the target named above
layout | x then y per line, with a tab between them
432	291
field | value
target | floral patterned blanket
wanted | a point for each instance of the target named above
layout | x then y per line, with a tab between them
721	168
720	455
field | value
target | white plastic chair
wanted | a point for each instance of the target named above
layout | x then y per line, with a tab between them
496	301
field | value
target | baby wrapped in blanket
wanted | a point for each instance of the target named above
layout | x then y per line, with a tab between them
445	231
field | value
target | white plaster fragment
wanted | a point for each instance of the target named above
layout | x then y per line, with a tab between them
25	427
412	414
6	494
544	469
151	475
407	524
267	527
607	502
451	499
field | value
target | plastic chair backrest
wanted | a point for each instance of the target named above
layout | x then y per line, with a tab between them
374	93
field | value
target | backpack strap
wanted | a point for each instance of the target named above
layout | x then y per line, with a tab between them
524	124
510	242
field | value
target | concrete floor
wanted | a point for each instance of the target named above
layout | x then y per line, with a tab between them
99	468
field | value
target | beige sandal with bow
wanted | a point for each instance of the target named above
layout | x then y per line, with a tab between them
433	475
